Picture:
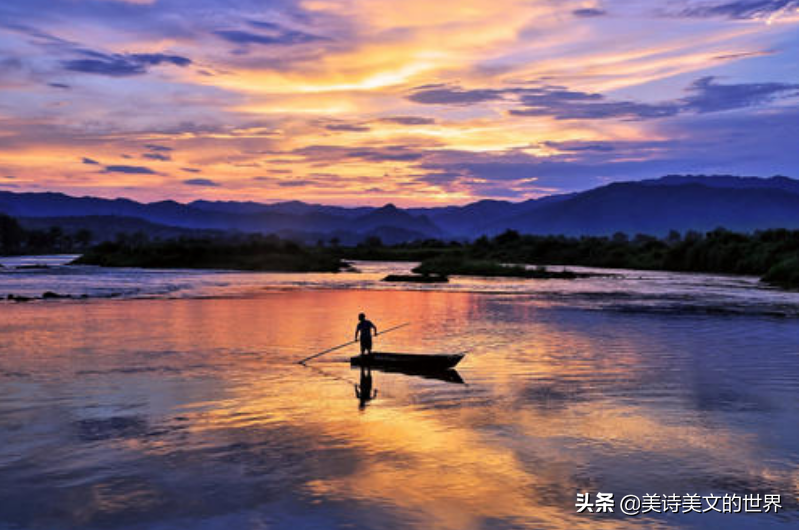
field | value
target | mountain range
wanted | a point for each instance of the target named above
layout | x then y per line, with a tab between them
674	202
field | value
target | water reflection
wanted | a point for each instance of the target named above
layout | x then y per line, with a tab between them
365	390
194	413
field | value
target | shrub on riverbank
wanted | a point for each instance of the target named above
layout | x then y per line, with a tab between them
784	274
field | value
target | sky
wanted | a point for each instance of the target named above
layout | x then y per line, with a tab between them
414	102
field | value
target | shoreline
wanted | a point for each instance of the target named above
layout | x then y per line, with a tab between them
625	291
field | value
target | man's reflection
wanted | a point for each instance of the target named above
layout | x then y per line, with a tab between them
364	391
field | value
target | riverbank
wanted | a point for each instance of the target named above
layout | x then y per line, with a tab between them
772	255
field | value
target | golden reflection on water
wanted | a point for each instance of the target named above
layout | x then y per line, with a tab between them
533	425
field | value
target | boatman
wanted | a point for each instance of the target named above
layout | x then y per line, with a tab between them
364	329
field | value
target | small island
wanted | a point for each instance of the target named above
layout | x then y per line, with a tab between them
245	253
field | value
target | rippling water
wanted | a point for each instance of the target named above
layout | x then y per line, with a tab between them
178	403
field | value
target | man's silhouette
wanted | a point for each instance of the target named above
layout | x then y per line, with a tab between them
364	330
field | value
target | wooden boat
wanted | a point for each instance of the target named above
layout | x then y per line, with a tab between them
415	361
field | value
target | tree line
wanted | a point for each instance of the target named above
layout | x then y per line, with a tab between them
16	240
771	254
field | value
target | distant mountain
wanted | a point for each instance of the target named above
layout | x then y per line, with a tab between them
465	220
300	219
477	217
680	202
389	216
288	207
728	181
650	208
107	227
60	205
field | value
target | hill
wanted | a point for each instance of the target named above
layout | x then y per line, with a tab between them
655	208
674	202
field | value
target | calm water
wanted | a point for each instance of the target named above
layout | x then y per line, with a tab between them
177	402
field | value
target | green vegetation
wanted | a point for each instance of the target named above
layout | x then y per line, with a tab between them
784	274
770	254
251	253
15	240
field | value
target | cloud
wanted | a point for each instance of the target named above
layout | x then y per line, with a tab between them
269	34
589	12
600	110
90	161
347	127
121	65
555	101
334	153
59	85
577	146
133	170
201	182
707	95
743	55
453	95
408	120
157	156
704	95
552	80
158	148
701	144
742	9
296	183
316	180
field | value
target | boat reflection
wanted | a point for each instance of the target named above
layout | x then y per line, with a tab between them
448	376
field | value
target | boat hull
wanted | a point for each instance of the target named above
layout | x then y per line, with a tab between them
415	361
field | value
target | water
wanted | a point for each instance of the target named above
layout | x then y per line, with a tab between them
179	404
610	289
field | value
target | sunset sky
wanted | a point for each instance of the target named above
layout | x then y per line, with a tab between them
405	101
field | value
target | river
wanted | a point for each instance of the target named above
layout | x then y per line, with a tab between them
172	399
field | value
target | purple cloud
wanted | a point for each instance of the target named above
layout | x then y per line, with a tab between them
202	182
157	156
408	120
589	12
121	65
133	170
742	9
347	127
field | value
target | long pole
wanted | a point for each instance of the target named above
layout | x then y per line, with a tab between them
314	356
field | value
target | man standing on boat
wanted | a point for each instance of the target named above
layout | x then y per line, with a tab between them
364	330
